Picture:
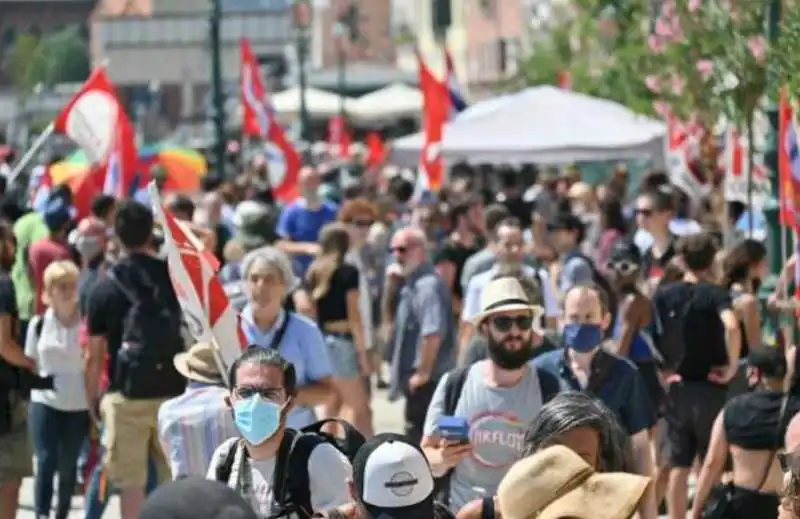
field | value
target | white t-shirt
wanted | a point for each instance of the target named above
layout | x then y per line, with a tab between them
328	473
57	353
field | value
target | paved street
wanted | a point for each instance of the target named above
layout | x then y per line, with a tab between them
388	418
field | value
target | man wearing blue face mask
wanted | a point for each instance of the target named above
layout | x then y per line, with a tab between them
263	388
584	365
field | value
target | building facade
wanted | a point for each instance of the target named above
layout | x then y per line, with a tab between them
376	43
485	38
157	51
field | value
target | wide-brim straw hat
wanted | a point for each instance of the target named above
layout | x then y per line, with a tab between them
555	483
199	364
506	295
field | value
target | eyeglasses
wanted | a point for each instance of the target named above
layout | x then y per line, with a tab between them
267	393
623	267
503	323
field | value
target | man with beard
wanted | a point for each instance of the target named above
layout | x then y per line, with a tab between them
584	365
498	397
422	342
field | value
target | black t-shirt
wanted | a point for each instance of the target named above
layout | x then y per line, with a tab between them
703	332
9	375
86	282
652	267
457	254
8	304
333	305
107	306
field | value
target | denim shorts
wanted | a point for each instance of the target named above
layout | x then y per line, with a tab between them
343	355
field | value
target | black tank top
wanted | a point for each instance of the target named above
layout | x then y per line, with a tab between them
751	419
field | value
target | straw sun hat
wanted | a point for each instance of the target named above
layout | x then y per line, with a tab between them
506	295
556	483
198	364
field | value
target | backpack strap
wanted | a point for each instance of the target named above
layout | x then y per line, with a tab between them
453	386
275	343
38	326
111	273
487	507
224	468
548	384
291	490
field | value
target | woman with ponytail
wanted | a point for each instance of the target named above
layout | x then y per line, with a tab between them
333	286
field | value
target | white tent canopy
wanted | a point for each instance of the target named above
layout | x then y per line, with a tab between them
543	125
391	102
320	103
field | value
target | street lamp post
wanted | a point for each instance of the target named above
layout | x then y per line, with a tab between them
777	240
302	21
217	94
340	34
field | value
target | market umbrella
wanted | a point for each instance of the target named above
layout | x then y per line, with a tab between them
184	167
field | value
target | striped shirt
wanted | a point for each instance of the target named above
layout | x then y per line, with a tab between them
192	426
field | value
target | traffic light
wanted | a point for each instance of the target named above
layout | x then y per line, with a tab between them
442	16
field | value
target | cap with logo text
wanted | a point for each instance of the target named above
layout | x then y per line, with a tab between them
393	478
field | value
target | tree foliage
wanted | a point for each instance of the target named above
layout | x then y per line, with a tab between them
60	57
698	59
787	57
709	58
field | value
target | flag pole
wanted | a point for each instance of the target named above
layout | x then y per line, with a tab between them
31	153
37	144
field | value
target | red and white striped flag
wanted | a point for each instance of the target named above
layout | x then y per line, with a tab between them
192	269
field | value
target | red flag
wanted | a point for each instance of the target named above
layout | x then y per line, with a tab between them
565	80
95	120
259	121
376	150
338	138
789	182
436	102
192	269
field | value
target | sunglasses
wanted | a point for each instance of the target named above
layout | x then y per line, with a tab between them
644	212
363	224
623	267
504	323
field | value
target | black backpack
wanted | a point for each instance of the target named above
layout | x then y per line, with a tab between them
454	385
601	281
151	337
291	484
670	318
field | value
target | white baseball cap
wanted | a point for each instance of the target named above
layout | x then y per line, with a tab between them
393	478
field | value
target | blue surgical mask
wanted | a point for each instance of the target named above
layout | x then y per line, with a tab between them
257	419
582	337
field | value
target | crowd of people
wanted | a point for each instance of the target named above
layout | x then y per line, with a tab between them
562	350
